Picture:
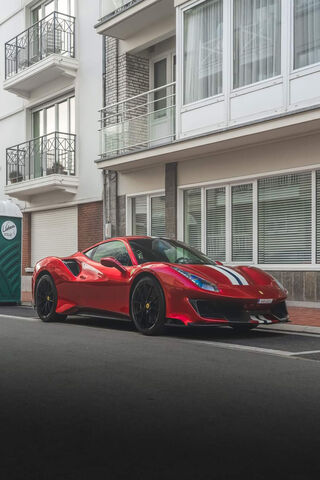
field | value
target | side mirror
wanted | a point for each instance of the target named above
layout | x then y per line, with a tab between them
113	263
219	263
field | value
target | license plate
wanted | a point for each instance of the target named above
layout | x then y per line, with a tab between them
265	300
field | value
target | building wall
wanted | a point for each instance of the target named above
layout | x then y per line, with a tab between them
90	224
263	158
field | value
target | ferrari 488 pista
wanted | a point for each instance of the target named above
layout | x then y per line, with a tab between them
155	281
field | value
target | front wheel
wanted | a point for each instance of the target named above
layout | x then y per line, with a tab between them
148	309
46	299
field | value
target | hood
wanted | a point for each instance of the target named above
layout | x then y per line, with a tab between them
231	276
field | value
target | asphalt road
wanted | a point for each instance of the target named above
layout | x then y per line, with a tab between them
93	399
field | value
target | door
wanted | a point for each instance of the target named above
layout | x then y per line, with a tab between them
162	101
105	288
54	233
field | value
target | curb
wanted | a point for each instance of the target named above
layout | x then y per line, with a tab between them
293	328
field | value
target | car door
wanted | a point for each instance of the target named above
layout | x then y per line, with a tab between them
106	288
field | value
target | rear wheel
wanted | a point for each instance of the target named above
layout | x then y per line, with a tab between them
148	309
46	299
243	328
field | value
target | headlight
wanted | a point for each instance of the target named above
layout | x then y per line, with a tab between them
200	282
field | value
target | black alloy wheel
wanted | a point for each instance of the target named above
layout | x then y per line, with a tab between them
148	306
46	299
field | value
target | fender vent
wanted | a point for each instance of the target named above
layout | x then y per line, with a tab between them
73	266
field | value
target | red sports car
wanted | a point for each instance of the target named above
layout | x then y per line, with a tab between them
155	281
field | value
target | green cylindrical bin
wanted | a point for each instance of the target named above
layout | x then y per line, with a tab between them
10	252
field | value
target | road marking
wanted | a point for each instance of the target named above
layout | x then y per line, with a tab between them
284	332
28	319
248	348
234	346
307	352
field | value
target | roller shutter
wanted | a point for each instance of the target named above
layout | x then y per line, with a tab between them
54	232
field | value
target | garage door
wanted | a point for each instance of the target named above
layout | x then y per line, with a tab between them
54	232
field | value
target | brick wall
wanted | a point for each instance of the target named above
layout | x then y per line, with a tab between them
90	224
26	242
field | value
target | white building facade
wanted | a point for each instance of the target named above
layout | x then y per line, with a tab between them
51	73
210	129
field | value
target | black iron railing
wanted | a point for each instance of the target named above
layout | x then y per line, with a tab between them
50	154
52	34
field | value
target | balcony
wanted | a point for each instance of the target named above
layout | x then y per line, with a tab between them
125	18
41	165
40	54
138	123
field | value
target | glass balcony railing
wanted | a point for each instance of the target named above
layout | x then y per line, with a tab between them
140	122
109	6
50	154
52	34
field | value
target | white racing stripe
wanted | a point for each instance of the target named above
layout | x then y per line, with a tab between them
234	277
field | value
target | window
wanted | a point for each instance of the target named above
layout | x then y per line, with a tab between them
318	216
256	40
192	217
158	210
284	212
163	250
306	32
203	50
268	222
160	79
139	216
148	215
59	117
216	223
114	249
45	8
242	222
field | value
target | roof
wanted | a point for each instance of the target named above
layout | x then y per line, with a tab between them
9	209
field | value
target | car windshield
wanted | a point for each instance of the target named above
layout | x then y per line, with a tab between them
164	250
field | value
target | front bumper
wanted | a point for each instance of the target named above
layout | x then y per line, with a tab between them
234	312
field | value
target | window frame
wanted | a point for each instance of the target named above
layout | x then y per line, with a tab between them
251	179
149	195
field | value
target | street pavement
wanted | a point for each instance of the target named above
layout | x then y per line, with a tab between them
91	398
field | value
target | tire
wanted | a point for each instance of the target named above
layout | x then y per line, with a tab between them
147	306
46	299
243	328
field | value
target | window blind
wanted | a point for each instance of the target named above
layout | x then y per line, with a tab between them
216	223
158	216
192	217
241	202
284	219
139	215
318	217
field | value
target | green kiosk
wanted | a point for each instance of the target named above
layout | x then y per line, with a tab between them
10	252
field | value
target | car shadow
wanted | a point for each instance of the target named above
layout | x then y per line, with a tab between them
211	333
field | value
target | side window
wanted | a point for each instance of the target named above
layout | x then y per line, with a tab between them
115	250
89	253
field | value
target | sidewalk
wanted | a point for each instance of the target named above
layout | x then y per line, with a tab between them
302	319
304	316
